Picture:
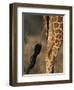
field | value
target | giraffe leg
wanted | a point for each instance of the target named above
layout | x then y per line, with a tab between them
53	65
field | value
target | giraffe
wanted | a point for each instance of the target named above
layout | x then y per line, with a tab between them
54	29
